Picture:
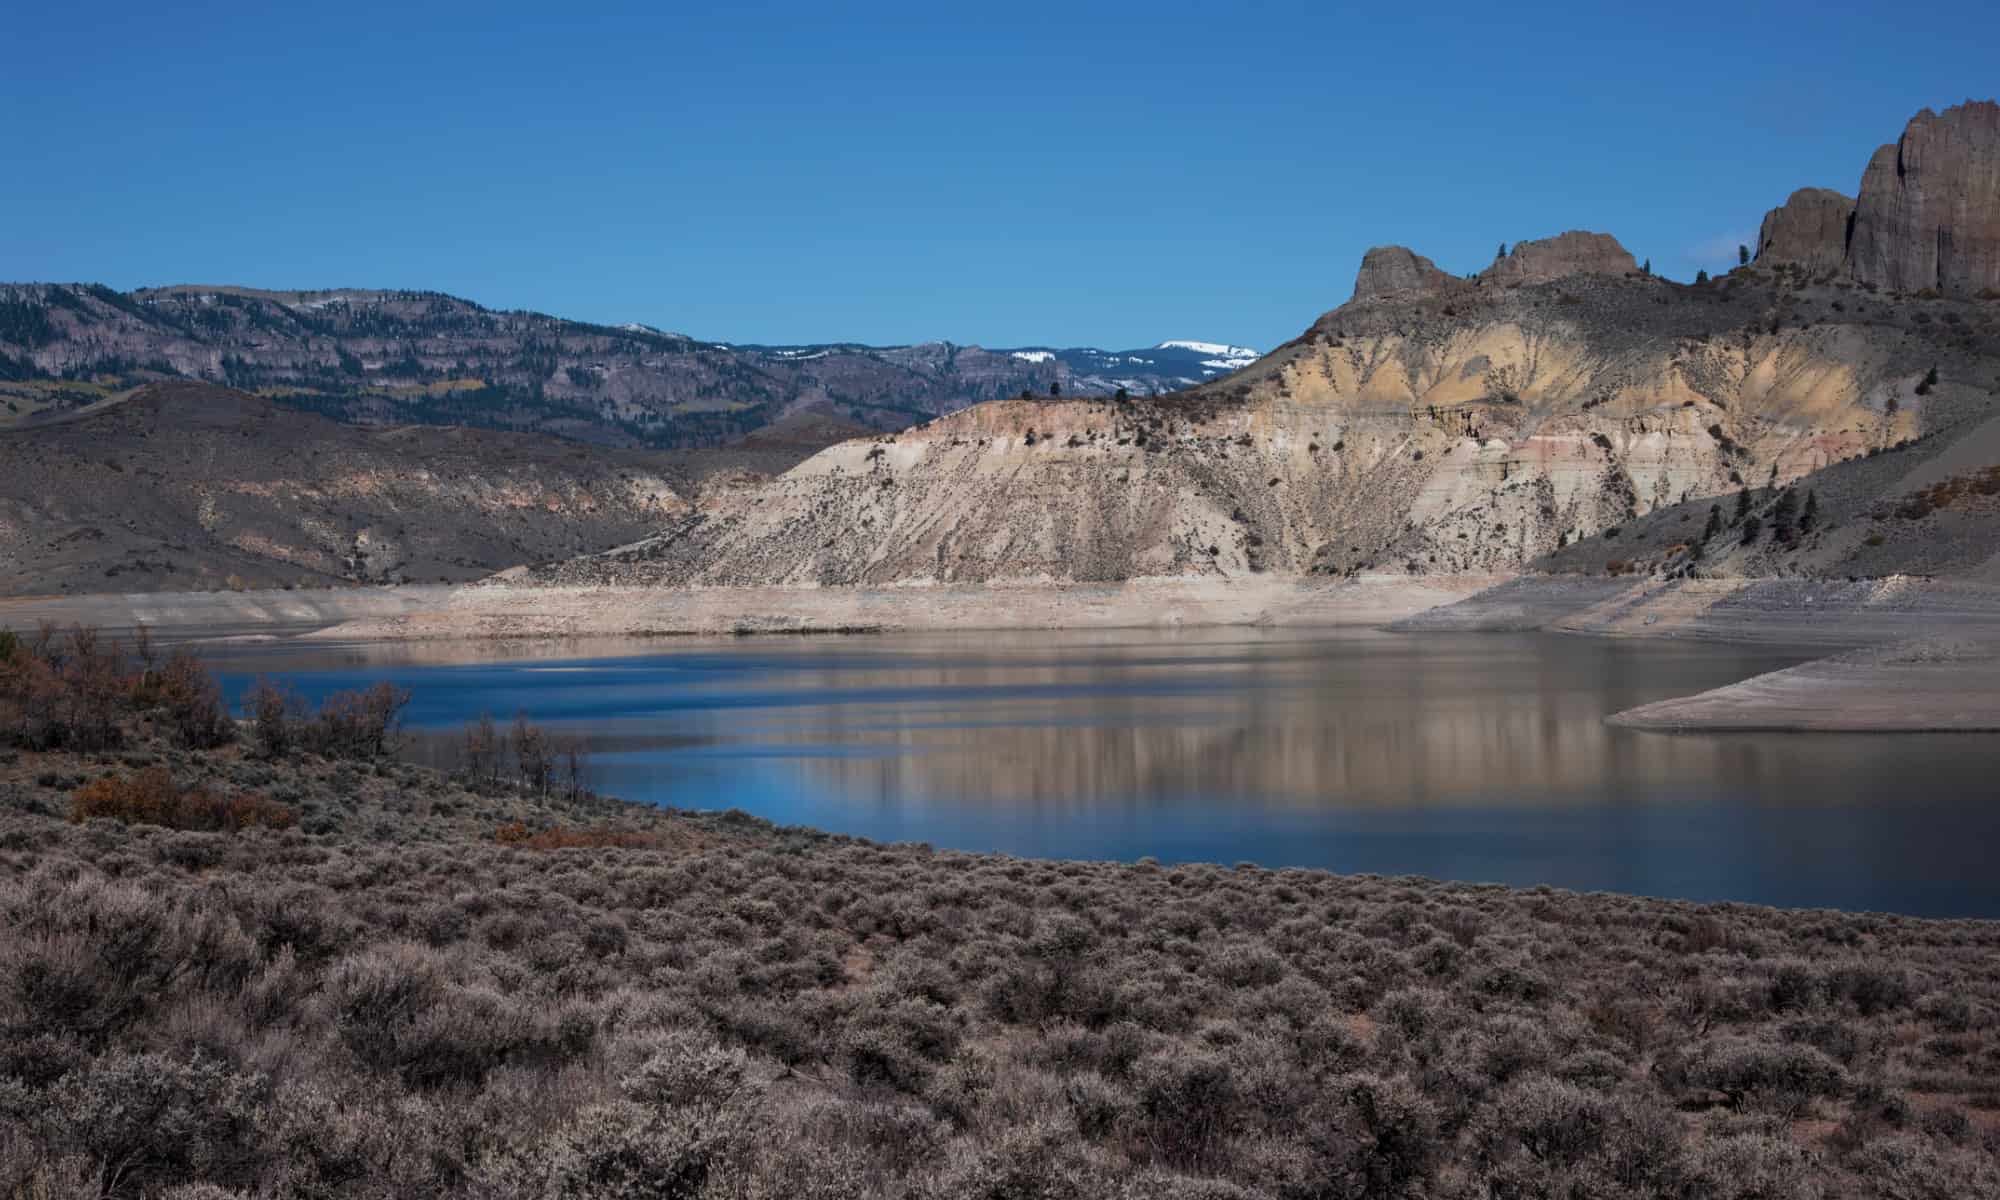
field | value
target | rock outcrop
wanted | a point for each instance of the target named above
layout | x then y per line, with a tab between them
1574	253
1928	217
1397	434
1808	231
1397	271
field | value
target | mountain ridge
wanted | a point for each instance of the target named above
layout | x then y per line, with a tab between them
381	356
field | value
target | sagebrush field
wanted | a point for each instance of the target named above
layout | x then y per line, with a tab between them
345	976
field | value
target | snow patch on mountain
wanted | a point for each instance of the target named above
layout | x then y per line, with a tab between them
1238	355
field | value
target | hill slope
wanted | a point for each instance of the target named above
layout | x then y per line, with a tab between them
186	486
1463	426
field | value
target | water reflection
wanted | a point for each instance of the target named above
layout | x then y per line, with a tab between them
1465	756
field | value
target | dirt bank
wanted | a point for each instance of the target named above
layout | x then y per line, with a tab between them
1927	659
501	610
1823	612
209	615
1921	686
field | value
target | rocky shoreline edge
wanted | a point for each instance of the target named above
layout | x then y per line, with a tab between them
1906	654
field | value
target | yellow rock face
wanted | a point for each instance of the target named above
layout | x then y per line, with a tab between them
1464	432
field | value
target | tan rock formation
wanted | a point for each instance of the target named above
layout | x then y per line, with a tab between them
1574	253
1397	434
1397	271
1928	216
1809	231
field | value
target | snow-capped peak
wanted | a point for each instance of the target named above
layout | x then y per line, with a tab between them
1212	349
1034	356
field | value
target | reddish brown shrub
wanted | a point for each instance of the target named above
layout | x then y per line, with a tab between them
152	798
192	703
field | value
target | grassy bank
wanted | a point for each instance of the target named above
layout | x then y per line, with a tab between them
351	977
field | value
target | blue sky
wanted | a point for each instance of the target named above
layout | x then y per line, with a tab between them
1109	174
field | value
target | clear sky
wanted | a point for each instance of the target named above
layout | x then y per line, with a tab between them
1102	174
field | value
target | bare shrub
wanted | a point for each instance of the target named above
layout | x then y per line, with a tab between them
1751	1167
1188	1104
274	712
533	755
192	703
559	837
356	724
1772	1075
142	1119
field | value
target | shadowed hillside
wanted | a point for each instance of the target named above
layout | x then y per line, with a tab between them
186	486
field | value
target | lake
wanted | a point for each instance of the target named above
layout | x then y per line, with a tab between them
1478	757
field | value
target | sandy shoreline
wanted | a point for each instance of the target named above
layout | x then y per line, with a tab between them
1932	660
500	610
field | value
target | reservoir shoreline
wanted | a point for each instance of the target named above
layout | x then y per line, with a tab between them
1906	654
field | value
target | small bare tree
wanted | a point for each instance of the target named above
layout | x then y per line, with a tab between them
575	754
274	713
533	754
482	749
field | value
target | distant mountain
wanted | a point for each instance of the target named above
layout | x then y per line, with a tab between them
1167	367
396	357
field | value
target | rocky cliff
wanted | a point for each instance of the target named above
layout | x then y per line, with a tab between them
1808	231
1464	427
1396	271
1574	253
1928	217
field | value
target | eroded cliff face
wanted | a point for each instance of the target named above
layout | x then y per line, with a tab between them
1577	252
1397	271
1928	217
1809	230
1468	429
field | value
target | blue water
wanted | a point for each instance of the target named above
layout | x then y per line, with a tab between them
1474	757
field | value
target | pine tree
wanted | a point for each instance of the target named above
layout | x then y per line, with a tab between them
1055	387
1751	528
1714	525
1646	267
1783	514
1500	253
1701	277
1811	516
1742	255
1742	503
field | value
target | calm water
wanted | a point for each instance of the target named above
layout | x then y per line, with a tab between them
1474	757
